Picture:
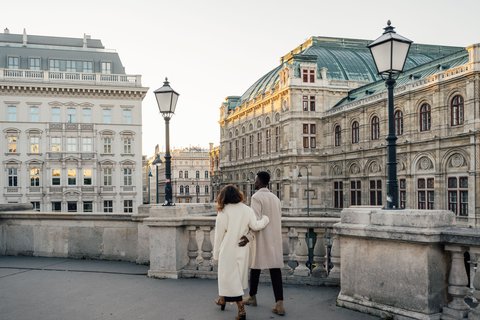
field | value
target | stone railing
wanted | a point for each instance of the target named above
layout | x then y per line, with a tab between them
182	247
70	77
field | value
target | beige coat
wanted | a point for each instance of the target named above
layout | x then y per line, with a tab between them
233	261
268	248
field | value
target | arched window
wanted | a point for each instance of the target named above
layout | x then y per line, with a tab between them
338	135
187	190
355	132
181	189
186	174
180	174
197	174
398	122
456	115
425	117
375	128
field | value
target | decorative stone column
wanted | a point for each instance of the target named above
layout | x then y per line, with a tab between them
301	254
319	253
207	249
192	248
286	252
336	258
292	239
457	285
475	313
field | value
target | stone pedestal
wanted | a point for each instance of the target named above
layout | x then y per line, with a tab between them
392	262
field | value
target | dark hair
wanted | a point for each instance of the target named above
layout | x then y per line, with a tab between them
228	194
264	177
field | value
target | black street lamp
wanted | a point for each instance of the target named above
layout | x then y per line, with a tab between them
167	101
308	187
390	52
156	162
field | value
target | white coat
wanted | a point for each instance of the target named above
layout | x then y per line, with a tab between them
231	224
267	248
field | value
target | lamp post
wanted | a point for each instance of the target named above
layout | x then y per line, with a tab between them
149	186
167	101
390	52
156	162
308	187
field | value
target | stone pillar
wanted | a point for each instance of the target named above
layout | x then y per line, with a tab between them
192	248
319	253
207	249
286	252
335	256
475	313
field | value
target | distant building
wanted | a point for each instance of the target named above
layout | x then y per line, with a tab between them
323	111
71	121
190	176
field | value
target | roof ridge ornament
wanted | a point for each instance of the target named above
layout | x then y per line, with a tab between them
389	28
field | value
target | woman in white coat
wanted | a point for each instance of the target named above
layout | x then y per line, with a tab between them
234	219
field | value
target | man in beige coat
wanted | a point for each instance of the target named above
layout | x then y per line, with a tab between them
267	247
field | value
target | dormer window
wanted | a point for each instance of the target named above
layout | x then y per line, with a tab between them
13	63
308	75
106	67
34	63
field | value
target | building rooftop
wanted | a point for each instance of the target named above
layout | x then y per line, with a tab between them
345	59
57	288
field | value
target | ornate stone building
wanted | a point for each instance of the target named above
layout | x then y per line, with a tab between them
71	122
322	113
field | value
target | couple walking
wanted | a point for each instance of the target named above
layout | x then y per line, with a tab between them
239	244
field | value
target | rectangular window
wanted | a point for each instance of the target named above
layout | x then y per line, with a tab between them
107	176
87	66
244	148
71	115
127	145
13	63
127	176
12	113
277	139
402	187
87	206
12	144
34	114
230	151
54	65
56	177
308	75
107	205
426	193
236	150
56	206
127	205
55	114
206	174
35	205
34	177
87	115
338	194
355	193
87	144
72	177
259	144
72	206
71	144
268	141
107	145
71	66
308	103
106	67
376	192
12	177
458	195
107	116
56	144
309	136
34	63
250	145
87	177
127	116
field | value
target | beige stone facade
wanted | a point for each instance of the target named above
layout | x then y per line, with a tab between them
331	127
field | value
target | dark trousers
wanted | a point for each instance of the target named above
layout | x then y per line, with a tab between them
233	299
275	276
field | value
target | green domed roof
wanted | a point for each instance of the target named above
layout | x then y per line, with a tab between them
345	59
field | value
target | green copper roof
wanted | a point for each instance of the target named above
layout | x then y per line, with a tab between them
413	74
345	59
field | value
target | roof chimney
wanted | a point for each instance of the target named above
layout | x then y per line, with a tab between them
6	31
24	37
85	38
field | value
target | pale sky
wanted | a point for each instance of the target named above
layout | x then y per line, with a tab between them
211	49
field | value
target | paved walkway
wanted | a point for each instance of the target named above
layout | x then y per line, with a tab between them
35	288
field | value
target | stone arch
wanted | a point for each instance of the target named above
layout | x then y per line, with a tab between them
423	162
455	159
373	166
336	170
354	168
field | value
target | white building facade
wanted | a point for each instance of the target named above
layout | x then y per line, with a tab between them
71	125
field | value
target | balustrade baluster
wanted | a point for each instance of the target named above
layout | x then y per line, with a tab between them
301	253
192	248
319	253
335	256
457	286
292	239
475	313
286	252
207	249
